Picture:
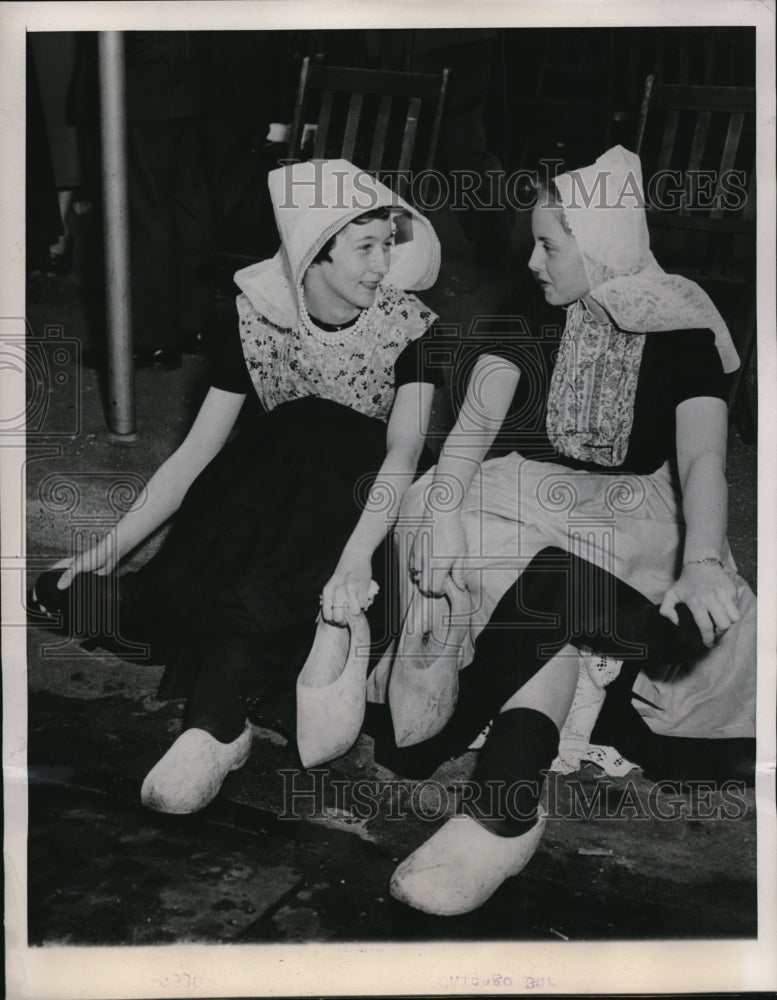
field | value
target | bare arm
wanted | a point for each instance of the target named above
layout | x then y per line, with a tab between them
439	545
348	588
706	589
166	488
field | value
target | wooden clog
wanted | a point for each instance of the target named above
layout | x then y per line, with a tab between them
332	690
424	683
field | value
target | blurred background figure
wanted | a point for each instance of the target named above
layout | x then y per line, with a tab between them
469	53
52	147
252	83
170	212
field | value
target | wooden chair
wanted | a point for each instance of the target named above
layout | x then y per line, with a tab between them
381	120
374	118
697	145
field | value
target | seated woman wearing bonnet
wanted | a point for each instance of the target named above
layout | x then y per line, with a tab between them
289	516
611	537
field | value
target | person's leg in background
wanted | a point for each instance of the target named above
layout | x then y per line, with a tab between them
165	83
192	216
464	146
152	158
43	219
169	238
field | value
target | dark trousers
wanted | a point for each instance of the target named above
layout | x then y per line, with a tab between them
257	537
464	144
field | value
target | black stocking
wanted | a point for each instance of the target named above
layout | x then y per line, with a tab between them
510	771
558	599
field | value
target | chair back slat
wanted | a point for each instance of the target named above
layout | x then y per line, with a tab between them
700	133
643	111
298	121
352	125
733	136
379	135
408	139
668	140
434	138
322	130
699	140
728	159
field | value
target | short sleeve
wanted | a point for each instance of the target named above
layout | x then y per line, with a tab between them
426	359
506	336
510	337
696	368
229	371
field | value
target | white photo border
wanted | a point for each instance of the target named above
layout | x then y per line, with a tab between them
250	970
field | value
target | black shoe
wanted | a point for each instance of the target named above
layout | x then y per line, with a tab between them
61	264
166	358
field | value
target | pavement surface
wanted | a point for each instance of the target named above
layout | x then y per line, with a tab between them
284	855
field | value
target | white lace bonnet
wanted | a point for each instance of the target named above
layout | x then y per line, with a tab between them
314	200
604	206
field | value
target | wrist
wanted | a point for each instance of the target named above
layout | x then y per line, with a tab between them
444	496
443	515
704	561
353	554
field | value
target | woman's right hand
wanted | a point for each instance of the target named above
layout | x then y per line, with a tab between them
710	595
438	551
100	559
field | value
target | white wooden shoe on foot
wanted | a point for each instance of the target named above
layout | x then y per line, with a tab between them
191	773
461	866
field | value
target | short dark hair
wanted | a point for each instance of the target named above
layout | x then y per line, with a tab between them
380	214
546	194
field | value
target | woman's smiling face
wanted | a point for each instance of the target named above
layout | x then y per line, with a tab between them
359	260
556	262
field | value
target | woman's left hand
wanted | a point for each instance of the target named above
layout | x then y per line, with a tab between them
709	594
349	591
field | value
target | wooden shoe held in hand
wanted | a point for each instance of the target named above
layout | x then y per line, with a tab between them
332	690
424	683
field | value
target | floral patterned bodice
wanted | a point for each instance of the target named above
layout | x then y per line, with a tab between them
354	367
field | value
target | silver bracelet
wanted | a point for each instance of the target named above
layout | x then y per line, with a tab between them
707	561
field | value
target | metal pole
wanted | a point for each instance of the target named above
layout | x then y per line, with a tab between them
121	375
